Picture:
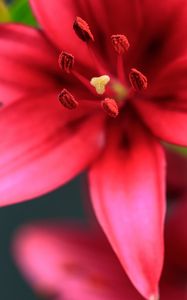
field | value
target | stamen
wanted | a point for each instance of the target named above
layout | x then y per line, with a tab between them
110	107
137	80
96	61
66	61
67	100
120	69
99	83
82	30
120	43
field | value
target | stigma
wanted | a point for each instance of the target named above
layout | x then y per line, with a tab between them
99	83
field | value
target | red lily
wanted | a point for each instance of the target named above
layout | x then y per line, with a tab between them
73	263
44	145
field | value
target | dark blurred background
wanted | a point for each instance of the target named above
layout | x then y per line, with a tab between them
64	203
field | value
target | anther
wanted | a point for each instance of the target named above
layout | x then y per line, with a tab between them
110	107
82	30
66	61
67	100
120	43
137	80
100	83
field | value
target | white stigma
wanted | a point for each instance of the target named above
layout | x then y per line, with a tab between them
99	83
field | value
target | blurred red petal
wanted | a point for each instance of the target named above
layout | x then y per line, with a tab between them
71	262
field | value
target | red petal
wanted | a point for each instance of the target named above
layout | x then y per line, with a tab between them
127	188
166	111
165	39
28	62
169	87
166	122
43	146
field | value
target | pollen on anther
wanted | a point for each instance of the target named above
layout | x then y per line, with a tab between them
110	107
120	43
82	30
137	80
67	99
66	61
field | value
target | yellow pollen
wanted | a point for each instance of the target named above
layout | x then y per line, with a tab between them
100	83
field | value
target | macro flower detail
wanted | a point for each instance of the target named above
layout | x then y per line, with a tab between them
82	30
138	80
120	43
50	143
110	107
67	99
100	83
66	61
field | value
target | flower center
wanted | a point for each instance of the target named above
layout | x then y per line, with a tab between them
120	91
114	90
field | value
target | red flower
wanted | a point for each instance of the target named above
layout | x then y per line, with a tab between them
43	145
67	262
